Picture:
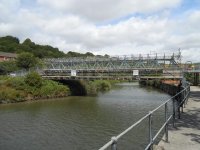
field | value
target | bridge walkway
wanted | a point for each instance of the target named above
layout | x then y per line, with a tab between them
186	135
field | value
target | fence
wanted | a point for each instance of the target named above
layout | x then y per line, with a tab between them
178	102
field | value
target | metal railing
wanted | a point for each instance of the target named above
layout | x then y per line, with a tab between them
178	102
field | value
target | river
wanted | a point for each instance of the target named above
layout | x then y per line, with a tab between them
80	123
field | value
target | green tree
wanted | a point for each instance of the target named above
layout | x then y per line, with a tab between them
7	67
26	60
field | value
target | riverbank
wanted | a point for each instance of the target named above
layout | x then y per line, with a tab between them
186	135
168	86
28	88
33	87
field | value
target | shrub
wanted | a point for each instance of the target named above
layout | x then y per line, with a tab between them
33	79
91	88
102	85
53	89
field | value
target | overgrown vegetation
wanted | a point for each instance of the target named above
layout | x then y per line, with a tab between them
31	87
93	87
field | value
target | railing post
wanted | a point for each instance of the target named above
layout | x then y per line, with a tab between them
150	131
114	143
179	112
182	99
174	112
185	94
166	127
179	105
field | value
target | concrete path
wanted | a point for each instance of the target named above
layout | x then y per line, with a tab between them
186	135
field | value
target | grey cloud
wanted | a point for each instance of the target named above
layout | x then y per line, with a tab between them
103	10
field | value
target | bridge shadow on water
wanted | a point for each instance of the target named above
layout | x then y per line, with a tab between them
77	88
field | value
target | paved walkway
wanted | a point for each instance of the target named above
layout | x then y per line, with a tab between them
186	135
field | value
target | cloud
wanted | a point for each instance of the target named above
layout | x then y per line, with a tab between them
102	10
69	29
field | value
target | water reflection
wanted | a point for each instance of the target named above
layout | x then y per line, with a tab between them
78	123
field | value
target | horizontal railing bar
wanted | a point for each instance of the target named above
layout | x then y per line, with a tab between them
184	99
168	100
147	148
163	104
158	132
135	124
162	128
147	115
125	131
106	145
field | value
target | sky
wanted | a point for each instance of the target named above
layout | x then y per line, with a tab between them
114	27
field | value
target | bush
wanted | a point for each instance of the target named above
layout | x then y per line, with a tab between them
91	88
102	85
15	89
53	89
33	79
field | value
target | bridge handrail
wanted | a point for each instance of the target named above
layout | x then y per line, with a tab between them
184	97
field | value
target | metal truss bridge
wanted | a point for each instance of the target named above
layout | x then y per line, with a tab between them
116	67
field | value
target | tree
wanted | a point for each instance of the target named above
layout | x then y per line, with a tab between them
7	67
89	54
26	60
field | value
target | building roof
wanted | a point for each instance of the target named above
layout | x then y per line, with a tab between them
11	55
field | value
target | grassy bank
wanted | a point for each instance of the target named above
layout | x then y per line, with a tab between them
31	87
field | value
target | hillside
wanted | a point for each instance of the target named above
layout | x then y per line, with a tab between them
12	45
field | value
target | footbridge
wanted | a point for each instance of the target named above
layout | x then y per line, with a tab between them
114	67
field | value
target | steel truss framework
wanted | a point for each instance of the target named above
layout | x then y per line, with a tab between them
110	67
113	63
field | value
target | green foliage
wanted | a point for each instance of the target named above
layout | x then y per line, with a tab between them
16	89
91	88
8	94
87	54
12	44
9	44
26	60
33	79
17	83
102	85
53	89
189	77
7	67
